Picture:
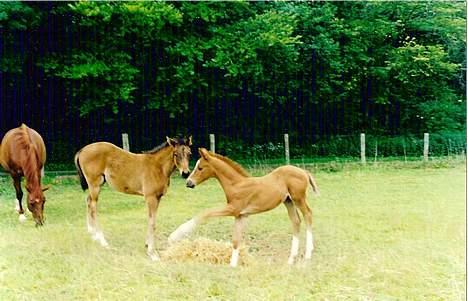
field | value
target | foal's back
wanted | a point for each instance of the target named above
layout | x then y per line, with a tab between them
105	154
103	161
290	180
290	176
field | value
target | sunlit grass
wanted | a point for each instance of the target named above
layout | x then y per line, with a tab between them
381	233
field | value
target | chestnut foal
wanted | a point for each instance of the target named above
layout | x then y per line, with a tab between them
250	195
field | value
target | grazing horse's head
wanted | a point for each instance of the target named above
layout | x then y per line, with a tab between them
181	147
36	200
202	170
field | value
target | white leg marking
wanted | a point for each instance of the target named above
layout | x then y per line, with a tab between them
182	231
42	172
309	244
22	218
90	228
17	206
294	249
234	257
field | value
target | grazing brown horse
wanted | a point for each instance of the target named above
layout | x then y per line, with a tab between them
23	153
250	195
144	174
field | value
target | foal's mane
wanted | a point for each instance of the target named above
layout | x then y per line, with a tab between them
231	163
180	141
156	149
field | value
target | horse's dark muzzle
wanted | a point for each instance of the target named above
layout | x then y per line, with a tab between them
185	175
190	184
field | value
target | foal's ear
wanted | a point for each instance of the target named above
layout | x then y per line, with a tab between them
47	187
189	140
203	153
171	141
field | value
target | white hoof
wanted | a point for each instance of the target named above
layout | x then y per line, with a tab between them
291	260
22	218
153	256
104	243
99	237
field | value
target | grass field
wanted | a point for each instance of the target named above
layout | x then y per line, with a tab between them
382	232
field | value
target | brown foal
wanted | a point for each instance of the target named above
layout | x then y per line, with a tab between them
251	195
146	174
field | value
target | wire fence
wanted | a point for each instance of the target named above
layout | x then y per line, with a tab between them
342	149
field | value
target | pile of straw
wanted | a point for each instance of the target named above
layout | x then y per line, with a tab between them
204	250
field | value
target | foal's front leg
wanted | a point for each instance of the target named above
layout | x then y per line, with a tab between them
186	228
153	203
93	225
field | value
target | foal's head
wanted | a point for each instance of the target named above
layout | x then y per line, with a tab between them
36	200
202	171
181	148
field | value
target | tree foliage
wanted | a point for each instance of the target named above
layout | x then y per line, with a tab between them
159	55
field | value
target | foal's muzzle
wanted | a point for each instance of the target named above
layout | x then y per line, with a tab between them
190	184
185	174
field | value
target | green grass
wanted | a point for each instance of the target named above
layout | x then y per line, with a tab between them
382	232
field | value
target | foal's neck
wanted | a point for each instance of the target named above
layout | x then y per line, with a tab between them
165	158
226	174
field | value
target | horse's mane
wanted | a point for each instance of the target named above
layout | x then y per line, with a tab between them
156	149
231	163
180	141
23	140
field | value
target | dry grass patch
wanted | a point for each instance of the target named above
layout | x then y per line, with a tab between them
204	250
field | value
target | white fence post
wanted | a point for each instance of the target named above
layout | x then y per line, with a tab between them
426	147
376	151
286	147
125	144
212	143
363	148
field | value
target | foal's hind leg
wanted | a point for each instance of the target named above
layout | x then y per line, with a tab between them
296	224
307	213
93	226
19	198
239	225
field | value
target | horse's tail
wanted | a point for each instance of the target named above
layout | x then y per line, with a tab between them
83	182
313	184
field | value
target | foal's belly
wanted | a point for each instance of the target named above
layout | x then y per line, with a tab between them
264	199
125	184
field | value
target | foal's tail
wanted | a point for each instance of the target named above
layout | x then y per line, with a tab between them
313	184
83	182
